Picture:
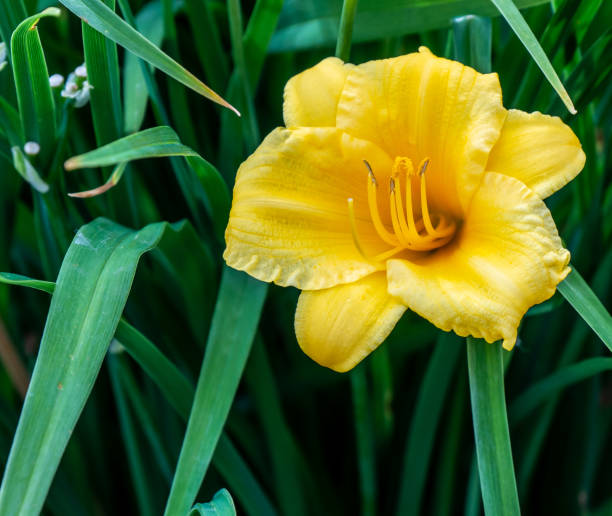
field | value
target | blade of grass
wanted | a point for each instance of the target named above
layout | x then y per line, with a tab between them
36	103
131	442
515	19
552	384
578	293
425	422
156	142
12	12
103	74
493	450
286	458
92	288
104	20
364	437
234	324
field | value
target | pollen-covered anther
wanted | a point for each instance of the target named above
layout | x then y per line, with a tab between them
412	229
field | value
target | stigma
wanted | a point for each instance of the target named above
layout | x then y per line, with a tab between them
413	227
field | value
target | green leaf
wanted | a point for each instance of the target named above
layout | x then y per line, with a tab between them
156	142
234	324
103	74
221	505
552	384
345	31
150	24
36	104
515	19
92	288
305	25
12	12
425	421
472	37
159	142
578	293
9	278
104	20
493	450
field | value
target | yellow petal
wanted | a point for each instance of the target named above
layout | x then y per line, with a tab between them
538	149
311	97
339	326
507	257
289	221
421	106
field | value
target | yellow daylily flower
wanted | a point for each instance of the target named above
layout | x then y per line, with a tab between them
403	183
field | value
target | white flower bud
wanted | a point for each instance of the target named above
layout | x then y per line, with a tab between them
56	80
81	71
31	148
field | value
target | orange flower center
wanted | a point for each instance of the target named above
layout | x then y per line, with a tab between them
413	227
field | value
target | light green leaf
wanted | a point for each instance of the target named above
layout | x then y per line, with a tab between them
104	20
156	142
515	19
233	327
36	104
493	450
578	293
221	505
92	288
159	142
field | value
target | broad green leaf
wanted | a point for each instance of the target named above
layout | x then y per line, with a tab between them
472	37
552	384
27	171
92	288
425	421
235	321
515	19
578	293
103	74
305	25
493	450
36	104
104	20
221	505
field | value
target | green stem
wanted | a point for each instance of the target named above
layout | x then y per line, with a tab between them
365	441
493	450
345	33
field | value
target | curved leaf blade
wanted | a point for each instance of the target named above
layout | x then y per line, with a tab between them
105	21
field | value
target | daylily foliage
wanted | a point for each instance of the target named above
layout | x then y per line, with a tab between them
403	184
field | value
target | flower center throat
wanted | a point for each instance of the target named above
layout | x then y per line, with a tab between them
413	227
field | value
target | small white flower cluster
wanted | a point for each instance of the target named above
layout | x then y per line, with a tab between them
3	55
77	86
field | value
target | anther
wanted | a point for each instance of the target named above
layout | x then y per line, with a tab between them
370	173
423	167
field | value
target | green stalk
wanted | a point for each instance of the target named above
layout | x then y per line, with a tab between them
493	450
365	441
345	33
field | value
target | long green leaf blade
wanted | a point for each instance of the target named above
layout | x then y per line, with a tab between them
36	104
585	302
234	324
515	19
104	20
495	465
92	288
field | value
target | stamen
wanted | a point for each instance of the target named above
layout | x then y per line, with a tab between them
385	235
395	216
